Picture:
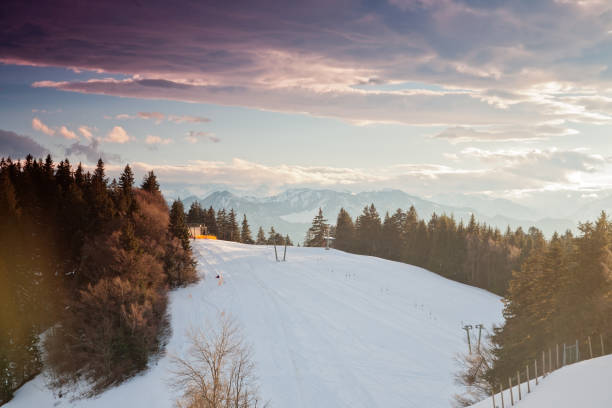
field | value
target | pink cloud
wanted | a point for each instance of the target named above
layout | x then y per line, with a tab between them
68	134
117	135
37	124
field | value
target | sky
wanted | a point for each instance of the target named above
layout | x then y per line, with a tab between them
507	99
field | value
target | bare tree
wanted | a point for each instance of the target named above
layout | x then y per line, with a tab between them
472	375
218	371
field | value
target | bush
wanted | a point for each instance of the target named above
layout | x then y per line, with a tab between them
113	327
218	372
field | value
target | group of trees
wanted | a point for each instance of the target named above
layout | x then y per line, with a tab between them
555	291
475	254
561	293
224	225
91	262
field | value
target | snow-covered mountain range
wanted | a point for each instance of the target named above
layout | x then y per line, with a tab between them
291	212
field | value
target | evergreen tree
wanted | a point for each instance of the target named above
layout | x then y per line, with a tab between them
317	231
345	232
149	183
232	226
177	226
211	222
126	180
196	214
261	237
272	237
222	225
245	233
367	231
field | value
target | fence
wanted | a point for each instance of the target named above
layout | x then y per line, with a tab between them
551	360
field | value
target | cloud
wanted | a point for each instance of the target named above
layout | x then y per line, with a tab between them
117	135
86	132
549	165
156	116
38	125
187	119
18	146
68	134
156	140
508	173
335	60
92	152
461	134
194	136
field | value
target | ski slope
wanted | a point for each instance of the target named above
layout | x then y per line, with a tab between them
584	384
328	329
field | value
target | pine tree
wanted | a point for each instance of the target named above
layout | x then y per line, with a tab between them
272	237
99	175
232	225
245	233
345	231
79	176
317	231
126	180
261	237
367	231
211	222
222	227
149	183
196	214
177	226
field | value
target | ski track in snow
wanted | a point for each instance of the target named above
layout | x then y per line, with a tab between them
327	328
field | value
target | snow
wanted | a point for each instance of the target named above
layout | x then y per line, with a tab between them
584	384
328	329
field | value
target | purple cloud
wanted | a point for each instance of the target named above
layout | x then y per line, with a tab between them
309	56
18	146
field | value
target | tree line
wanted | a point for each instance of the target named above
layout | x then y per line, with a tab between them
224	225
473	253
89	262
560	294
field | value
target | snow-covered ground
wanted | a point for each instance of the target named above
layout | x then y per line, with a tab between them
584	384
328	329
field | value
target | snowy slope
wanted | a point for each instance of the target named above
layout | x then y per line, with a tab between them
585	384
328	329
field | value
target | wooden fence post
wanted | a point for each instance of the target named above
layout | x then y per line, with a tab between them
564	355
535	363
528	379
577	352
518	383
511	395
549	360
501	392
590	347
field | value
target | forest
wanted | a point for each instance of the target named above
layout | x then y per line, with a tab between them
85	269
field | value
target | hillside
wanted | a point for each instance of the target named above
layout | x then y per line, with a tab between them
328	329
585	384
292	211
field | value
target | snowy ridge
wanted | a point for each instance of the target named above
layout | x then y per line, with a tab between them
328	329
584	384
291	212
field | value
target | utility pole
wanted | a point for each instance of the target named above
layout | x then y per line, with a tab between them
467	329
285	253
479	327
